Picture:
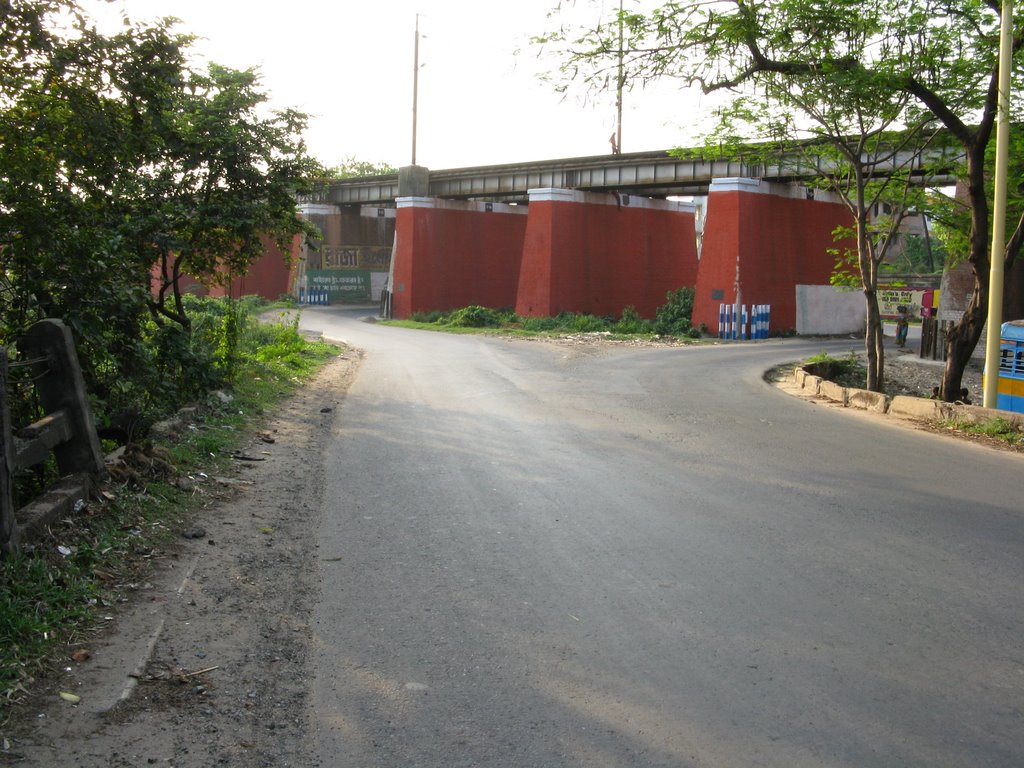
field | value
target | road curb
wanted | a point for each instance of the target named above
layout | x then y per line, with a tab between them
900	406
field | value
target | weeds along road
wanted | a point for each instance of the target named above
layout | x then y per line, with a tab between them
541	555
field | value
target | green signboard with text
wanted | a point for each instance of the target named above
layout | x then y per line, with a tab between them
343	286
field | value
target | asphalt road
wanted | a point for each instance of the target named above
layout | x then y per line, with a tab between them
535	555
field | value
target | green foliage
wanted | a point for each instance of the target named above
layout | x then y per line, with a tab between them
631	323
118	155
434	316
227	348
1000	429
42	600
350	167
539	324
673	318
921	255
587	323
475	316
848	371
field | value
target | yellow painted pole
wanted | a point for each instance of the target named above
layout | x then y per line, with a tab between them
995	283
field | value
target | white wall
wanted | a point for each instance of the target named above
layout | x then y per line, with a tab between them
822	310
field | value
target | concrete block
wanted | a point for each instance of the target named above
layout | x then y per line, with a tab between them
920	408
833	391
799	374
58	502
812	384
868	401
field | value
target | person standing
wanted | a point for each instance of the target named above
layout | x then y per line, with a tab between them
902	324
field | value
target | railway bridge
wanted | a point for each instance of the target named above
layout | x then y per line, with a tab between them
659	174
589	234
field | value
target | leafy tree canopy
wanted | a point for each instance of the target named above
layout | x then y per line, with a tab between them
117	153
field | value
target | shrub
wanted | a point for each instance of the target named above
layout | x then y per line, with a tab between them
475	316
587	324
434	316
539	324
673	317
631	323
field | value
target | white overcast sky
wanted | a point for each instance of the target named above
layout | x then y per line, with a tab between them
349	65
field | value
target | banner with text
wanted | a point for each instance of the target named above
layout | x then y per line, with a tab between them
374	258
917	299
343	286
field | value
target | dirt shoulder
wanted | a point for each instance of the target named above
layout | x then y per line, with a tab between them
207	663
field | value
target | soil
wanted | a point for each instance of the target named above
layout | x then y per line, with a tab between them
206	664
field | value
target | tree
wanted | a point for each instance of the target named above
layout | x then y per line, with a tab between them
116	155
222	179
350	167
939	55
846	126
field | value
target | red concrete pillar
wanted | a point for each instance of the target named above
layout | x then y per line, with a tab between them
599	253
451	254
770	238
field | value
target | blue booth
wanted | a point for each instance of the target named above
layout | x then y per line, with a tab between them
1011	367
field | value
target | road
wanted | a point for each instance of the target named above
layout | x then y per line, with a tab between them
540	555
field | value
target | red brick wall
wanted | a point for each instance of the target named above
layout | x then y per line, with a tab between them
269	276
452	254
781	241
599	254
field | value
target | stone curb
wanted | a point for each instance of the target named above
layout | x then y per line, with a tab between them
900	406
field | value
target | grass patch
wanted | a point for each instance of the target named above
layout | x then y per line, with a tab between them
672	321
999	429
56	593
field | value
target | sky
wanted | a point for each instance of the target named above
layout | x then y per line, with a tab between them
349	64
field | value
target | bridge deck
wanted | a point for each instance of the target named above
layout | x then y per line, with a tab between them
651	174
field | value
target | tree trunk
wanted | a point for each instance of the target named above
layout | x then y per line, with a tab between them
874	342
1013	290
963	337
961	341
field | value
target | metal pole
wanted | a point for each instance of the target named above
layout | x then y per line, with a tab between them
995	282
618	99
415	85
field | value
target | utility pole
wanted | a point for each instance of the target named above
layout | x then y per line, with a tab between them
618	94
998	256
415	85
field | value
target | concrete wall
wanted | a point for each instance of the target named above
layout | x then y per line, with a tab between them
600	253
450	254
823	310
772	237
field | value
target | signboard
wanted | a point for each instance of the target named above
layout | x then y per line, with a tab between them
343	286
915	298
369	257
